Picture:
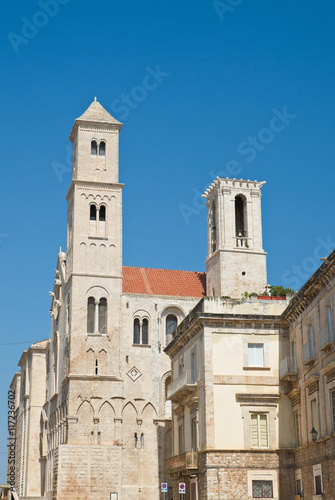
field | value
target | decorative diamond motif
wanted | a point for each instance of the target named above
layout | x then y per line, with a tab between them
134	373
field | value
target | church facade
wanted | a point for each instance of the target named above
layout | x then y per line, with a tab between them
102	412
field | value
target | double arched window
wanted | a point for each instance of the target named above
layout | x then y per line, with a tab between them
141	331
96	315
98	148
98	212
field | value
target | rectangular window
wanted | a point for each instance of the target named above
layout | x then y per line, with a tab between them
317	476
262	489
318	485
294	357
315	415
259	430
193	367
256	354
298	487
297	428
194	433
180	437
330	323
311	340
332	403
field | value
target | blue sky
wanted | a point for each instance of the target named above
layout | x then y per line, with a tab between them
224	71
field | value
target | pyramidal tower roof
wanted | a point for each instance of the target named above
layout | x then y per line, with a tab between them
97	114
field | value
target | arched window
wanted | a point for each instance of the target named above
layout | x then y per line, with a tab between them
93	212
170	325
145	331
213	225
102	213
102	315
102	148
136	331
96	315
94	148
240	219
141	331
90	314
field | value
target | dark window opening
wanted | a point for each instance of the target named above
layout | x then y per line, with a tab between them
262	489
93	212
102	213
145	331
94	148
213	225
102	148
102	315
318	485
90	315
171	325
136	331
135	440
96	367
240	217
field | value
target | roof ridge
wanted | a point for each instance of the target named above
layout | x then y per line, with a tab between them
164	269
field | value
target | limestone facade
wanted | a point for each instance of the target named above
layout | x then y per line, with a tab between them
93	419
149	378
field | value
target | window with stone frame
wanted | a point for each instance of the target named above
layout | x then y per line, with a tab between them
297	428
213	226
256	355
330	322
317	479
93	212
259	430
102	148
332	406
94	148
170	325
96	315
141	331
262	489
181	446
315	415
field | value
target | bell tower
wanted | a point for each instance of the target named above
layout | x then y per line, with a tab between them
236	260
94	243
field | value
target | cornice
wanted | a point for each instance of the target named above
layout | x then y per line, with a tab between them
191	326
307	293
113	186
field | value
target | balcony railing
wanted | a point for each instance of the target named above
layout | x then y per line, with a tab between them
308	355
242	242
182	386
326	338
287	371
186	462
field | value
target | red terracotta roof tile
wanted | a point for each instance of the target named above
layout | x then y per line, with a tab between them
148	281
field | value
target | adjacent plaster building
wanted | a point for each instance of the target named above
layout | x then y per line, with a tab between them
102	412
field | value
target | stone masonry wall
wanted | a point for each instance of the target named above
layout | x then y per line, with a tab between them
227	472
322	452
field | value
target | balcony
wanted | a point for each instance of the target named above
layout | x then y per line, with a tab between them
286	371
187	463
308	356
326	338
184	385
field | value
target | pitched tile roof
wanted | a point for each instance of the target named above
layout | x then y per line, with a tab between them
148	281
